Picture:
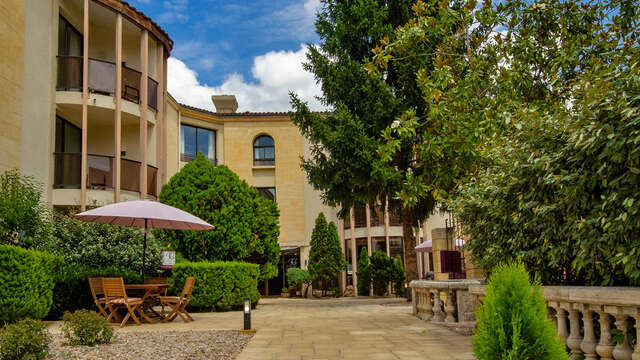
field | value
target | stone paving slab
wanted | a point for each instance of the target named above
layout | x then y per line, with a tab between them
347	328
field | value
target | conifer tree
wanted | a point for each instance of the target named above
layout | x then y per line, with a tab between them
326	260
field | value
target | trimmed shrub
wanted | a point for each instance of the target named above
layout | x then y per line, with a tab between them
220	285
85	327
26	339
363	273
72	292
512	320
26	283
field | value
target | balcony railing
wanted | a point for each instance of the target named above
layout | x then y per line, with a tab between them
101	173
102	79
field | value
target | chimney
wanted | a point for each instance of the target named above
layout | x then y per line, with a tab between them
225	103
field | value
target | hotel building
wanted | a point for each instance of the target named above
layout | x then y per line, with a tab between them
84	109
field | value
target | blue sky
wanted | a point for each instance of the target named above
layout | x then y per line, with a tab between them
252	49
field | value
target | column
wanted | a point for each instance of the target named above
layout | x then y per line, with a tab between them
369	247
343	274
161	135
622	350
354	261
386	231
118	109
144	96
605	345
575	338
419	254
85	102
588	345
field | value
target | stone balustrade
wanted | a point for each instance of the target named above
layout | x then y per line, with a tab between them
437	301
578	310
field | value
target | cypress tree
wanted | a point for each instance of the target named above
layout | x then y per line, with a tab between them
326	260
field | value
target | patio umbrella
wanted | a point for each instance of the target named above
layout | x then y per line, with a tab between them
145	214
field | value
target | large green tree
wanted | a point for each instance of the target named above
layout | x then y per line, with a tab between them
246	225
552	87
326	259
345	163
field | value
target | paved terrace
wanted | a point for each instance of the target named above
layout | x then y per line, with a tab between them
347	328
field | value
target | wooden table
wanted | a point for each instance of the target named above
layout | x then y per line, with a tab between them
151	291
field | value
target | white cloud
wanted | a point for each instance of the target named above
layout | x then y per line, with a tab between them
297	19
276	73
174	11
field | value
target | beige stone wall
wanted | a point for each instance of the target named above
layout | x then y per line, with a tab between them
239	134
12	19
173	138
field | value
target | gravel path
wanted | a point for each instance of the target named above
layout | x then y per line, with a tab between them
157	345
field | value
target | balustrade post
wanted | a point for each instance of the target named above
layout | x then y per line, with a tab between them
438	315
636	351
589	342
574	340
414	301
605	347
449	308
622	350
561	322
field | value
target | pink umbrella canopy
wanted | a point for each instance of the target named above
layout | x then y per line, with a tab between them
144	214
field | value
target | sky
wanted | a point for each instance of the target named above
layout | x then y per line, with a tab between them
251	49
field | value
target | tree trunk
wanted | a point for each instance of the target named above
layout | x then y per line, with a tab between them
409	244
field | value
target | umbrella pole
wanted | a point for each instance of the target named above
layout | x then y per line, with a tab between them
144	249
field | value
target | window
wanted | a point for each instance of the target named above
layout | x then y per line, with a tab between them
194	140
268	193
264	151
69	39
68	137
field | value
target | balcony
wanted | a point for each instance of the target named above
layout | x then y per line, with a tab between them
101	173
102	79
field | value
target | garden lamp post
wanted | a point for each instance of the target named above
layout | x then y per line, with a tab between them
247	313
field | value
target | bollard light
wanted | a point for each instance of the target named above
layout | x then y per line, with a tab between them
247	313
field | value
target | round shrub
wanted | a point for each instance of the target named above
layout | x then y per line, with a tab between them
512	320
246	226
297	276
26	283
25	339
220	285
85	327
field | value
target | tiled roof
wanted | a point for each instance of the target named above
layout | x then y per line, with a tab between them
246	113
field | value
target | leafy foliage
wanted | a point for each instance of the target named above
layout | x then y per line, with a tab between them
345	163
101	245
380	270
326	259
24	218
220	285
84	327
246	224
71	291
297	276
26	339
26	283
544	106
512	319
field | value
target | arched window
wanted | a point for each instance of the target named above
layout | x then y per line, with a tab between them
264	151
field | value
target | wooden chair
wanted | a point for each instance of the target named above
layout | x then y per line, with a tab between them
116	297
95	284
178	304
158	280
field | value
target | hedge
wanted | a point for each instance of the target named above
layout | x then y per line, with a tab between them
220	285
26	283
72	292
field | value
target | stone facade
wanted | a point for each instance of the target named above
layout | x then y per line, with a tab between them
12	22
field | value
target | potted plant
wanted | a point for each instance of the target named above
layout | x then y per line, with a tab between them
296	278
284	293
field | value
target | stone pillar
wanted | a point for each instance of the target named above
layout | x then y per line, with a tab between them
622	351
118	110
588	345
449	309
438	243
343	274
369	247
354	257
438	314
575	339
605	346
144	101
85	102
